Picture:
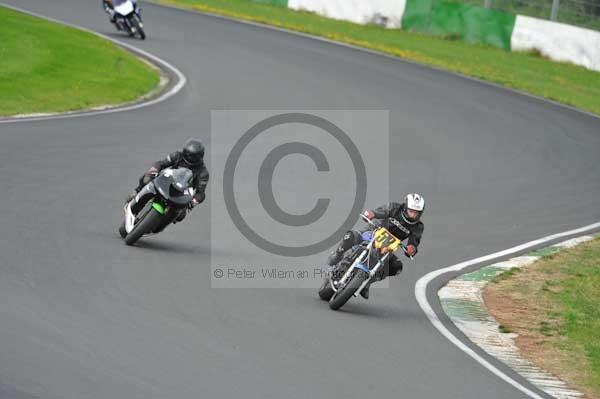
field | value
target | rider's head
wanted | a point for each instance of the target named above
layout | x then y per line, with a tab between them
193	152
413	208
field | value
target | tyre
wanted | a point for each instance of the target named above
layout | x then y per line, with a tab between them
325	291
343	295
137	25
146	225
122	231
166	220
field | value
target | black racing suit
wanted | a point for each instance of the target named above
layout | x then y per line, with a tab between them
391	218
175	160
109	8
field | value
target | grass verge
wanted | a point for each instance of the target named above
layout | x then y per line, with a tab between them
48	67
554	307
562	82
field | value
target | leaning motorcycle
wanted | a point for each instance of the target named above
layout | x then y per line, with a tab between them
359	266
128	18
171	191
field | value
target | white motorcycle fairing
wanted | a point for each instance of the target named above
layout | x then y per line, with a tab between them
125	8
129	218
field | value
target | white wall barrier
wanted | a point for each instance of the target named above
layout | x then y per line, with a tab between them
383	12
559	42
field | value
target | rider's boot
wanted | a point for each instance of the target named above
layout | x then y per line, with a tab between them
365	291
180	216
335	256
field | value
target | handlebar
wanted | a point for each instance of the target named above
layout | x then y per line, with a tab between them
374	225
369	221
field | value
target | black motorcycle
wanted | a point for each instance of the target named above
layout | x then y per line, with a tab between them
171	191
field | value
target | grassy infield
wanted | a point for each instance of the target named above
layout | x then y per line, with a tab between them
557	303
46	67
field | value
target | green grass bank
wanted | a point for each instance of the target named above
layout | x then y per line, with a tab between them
562	82
554	307
48	67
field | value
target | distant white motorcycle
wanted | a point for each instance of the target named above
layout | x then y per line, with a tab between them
128	18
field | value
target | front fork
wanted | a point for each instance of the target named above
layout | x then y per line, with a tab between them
355	265
372	273
146	194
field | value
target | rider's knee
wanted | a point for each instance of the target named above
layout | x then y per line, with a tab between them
352	237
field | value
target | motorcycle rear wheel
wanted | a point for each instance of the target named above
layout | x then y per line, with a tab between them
325	291
122	230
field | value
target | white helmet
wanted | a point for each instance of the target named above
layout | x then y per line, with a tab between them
415	202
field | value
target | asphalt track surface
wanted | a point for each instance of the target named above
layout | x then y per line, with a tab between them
83	316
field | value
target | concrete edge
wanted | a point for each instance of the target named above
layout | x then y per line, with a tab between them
461	299
427	286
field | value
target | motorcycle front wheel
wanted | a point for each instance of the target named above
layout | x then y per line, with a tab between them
138	27
340	298
144	226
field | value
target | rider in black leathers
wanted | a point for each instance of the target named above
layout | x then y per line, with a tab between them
191	157
109	8
402	220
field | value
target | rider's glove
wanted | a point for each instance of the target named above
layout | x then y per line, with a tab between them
152	172
193	203
411	250
369	214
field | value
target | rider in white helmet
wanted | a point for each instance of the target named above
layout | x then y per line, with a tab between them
109	8
403	220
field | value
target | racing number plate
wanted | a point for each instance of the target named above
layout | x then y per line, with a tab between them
385	239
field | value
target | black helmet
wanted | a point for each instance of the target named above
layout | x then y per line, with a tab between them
193	152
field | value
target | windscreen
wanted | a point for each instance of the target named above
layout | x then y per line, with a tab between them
182	176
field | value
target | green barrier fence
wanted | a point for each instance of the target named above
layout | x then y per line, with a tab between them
469	23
